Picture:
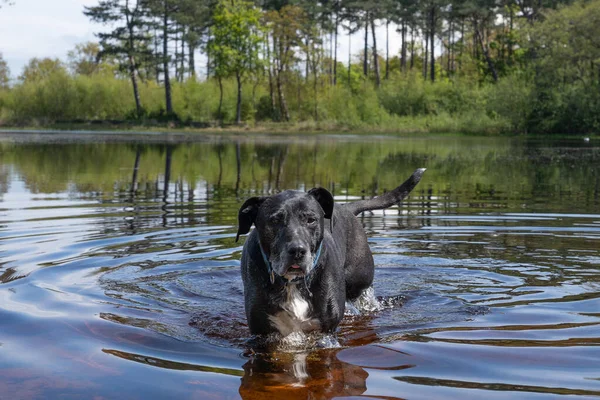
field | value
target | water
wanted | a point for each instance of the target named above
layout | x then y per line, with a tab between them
488	276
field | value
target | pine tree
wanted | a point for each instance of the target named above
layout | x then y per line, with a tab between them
126	39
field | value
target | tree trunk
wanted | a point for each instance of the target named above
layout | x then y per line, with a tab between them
475	42
335	51
182	63
366	58
331	58
238	115
432	46
510	43
449	52
219	112
168	162
270	70
168	100
486	54
462	43
375	55
176	55
136	91
403	48
307	63
192	59
316	93
136	167
426	58
132	65
412	48
207	54
282	102
349	58
156	57
387	50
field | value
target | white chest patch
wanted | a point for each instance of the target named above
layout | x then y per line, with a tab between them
295	314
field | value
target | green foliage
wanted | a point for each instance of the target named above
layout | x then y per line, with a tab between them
356	109
236	38
511	99
84	59
352	79
4	73
38	70
59	96
411	96
235	43
567	65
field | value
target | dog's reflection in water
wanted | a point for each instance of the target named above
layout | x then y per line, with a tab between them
315	374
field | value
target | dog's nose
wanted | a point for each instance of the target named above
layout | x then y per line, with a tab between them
297	251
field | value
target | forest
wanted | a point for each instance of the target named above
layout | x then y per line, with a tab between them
467	66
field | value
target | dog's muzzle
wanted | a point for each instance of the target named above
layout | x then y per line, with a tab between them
298	268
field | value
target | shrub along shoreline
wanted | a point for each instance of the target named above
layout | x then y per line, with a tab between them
403	104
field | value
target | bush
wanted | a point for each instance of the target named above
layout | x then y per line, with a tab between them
511	99
571	109
63	97
406	102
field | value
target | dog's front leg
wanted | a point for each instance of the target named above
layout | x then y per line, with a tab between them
331	306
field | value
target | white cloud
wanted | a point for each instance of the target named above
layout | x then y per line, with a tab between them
42	28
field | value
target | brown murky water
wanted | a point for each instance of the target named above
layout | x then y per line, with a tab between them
122	282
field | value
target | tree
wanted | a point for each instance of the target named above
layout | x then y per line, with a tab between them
164	12
482	14
194	16
236	42
285	26
4	73
126	39
39	69
84	59
567	44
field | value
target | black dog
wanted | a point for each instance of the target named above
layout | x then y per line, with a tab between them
298	271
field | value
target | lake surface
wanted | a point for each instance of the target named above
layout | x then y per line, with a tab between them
119	282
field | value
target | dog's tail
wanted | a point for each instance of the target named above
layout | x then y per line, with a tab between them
387	199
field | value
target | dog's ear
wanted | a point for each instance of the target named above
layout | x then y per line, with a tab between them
247	215
325	199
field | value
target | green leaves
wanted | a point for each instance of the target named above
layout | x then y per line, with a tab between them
4	73
236	38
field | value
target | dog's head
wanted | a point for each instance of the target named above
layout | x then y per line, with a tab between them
290	227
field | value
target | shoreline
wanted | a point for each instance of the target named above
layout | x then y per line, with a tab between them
307	130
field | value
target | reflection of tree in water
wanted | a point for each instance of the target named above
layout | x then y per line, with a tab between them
10	274
4	180
228	171
273	158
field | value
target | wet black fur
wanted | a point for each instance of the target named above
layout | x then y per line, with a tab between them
284	222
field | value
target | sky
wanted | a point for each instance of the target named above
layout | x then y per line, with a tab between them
50	28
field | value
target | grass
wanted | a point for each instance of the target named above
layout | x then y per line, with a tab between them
401	126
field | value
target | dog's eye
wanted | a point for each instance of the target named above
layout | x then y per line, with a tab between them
310	220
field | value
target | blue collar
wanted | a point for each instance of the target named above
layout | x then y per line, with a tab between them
272	273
